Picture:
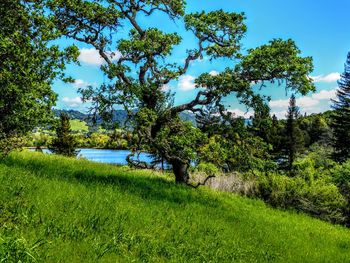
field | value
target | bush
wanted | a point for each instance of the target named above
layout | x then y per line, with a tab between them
318	198
341	177
305	168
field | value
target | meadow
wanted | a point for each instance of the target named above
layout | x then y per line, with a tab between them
58	209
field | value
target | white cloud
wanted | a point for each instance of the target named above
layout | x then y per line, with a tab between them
213	73
307	101
304	102
79	83
72	102
325	94
91	56
186	83
240	113
332	77
197	61
279	103
279	114
314	103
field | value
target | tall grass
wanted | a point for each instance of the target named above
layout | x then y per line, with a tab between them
55	209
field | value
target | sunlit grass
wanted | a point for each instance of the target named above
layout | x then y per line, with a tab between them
55	209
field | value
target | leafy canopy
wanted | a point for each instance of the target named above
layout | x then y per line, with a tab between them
146	51
28	66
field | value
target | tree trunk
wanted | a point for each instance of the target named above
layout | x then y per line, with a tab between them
180	172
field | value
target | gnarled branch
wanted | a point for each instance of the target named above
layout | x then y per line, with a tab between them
199	183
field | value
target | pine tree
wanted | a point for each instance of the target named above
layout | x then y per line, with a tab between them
294	136
340	119
64	143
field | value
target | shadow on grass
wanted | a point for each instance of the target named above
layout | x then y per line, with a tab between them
129	182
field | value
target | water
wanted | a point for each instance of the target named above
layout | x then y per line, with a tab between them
108	156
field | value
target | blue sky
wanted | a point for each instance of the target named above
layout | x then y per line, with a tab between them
320	29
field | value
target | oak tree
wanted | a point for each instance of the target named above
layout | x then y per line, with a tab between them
146	50
29	63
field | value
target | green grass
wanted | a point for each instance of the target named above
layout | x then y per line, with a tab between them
55	209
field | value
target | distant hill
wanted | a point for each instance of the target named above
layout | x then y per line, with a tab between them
119	116
73	114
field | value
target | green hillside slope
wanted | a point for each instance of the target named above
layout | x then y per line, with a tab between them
55	209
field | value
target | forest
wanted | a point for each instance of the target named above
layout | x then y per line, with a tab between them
216	160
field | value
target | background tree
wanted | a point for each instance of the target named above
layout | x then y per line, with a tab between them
340	119
276	137
294	136
28	65
65	143
232	144
147	51
262	123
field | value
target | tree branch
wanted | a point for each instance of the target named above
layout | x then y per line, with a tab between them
199	183
196	102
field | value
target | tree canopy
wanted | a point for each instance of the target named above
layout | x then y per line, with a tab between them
28	66
146	50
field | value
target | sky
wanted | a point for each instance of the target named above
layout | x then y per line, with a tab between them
319	28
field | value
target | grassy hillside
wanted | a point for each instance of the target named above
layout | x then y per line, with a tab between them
55	209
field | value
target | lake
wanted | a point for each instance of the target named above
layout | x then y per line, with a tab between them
108	156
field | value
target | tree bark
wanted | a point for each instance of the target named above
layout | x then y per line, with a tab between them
180	172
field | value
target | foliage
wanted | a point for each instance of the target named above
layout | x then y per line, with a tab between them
341	116
232	147
8	143
77	211
29	63
317	197
119	139
207	168
316	129
64	143
78	126
147	50
98	140
215	152
294	137
341	177
41	140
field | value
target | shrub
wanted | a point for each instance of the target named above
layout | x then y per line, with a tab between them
318	198
305	168
341	177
